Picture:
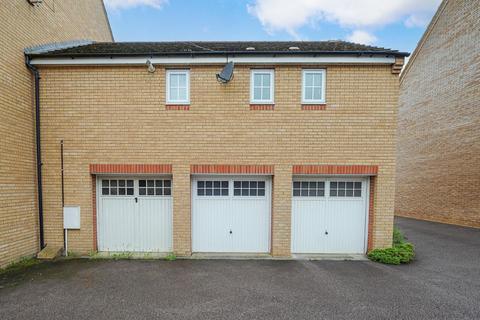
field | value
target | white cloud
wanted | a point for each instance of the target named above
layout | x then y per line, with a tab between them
289	16
417	20
363	37
125	4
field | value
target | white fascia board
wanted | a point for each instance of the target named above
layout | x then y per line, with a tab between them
334	59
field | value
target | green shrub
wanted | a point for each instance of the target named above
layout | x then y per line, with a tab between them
397	237
401	252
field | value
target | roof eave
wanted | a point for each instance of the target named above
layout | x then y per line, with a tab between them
220	53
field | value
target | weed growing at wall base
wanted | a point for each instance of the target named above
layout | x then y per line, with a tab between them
171	257
20	265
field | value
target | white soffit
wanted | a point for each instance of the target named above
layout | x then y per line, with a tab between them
333	59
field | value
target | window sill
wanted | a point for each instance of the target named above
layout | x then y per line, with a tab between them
185	107
255	106
318	106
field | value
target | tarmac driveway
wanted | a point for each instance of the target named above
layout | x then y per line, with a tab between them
443	283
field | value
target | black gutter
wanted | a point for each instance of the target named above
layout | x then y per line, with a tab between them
36	75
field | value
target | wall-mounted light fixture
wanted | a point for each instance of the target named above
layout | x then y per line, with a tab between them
150	66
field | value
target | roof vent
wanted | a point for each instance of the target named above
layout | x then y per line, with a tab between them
250	48
293	48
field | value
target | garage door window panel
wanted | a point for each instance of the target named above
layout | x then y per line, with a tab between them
349	189
249	188
212	188
309	188
154	187
117	187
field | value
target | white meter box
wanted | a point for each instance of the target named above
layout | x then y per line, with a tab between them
71	217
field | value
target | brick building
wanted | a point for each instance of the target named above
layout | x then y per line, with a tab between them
24	25
438	175
293	155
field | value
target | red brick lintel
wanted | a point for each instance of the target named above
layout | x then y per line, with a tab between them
130	168
336	169
231	169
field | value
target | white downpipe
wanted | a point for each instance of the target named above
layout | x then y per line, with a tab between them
66	242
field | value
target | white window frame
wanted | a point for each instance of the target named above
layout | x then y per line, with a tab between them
272	86
313	101
167	95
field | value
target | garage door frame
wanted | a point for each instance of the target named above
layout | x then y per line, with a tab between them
366	179
98	205
231	177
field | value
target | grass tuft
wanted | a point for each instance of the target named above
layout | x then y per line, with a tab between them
171	257
122	256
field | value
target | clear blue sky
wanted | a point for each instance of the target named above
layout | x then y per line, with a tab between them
396	24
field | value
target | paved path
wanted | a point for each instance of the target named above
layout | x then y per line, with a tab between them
443	283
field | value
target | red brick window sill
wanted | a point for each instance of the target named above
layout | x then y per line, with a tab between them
177	107
262	106
320	106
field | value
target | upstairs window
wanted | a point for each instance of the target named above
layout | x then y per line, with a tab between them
178	87
313	86
262	87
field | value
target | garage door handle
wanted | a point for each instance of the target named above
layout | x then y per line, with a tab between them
326	232
231	232
136	199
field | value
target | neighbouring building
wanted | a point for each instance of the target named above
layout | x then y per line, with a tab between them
438	155
23	25
294	154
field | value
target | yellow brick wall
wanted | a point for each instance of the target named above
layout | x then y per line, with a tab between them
438	173
117	115
23	25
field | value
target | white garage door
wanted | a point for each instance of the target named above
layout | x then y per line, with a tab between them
231	214
329	215
134	215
